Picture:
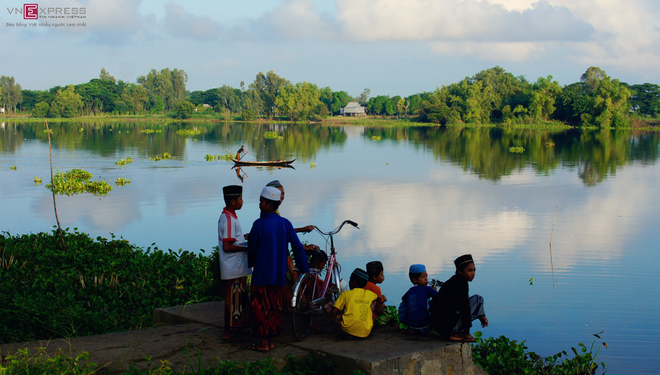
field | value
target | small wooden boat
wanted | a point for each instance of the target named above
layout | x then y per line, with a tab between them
273	163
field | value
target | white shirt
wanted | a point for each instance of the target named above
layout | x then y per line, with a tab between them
232	265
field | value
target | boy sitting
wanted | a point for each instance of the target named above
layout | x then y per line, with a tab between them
376	275
414	309
354	307
452	310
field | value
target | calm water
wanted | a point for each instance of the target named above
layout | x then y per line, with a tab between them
420	195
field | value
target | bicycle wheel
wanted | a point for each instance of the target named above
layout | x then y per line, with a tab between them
303	316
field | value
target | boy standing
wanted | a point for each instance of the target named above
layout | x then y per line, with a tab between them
267	254
452	311
355	306
233	263
416	301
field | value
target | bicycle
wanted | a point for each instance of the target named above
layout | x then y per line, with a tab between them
308	297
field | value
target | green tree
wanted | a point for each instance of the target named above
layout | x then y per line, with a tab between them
168	85
544	96
364	97
184	109
40	110
267	87
106	76
298	101
611	107
10	93
67	102
645	99
592	77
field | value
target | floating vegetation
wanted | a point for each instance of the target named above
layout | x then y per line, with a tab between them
227	157
516	150
188	132
166	155
124	161
77	181
37	181
151	131
122	181
13	167
312	165
376	138
48	131
549	144
270	135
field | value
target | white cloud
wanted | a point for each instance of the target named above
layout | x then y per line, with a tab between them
391	20
179	23
493	51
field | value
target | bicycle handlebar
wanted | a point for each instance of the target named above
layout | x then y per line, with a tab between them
336	230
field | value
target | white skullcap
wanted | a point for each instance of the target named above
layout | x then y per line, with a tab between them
271	193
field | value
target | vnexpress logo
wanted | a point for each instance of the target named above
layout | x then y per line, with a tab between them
30	11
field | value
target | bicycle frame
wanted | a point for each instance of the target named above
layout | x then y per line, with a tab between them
331	276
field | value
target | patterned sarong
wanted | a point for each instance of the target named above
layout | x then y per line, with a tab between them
237	304
266	302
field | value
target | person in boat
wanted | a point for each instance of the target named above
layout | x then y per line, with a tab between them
267	254
452	309
241	151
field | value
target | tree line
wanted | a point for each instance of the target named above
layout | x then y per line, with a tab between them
490	96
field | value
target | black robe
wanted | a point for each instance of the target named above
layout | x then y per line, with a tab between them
452	297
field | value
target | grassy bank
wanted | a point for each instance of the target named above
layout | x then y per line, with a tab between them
92	286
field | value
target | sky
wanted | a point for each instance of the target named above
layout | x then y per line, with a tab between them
391	47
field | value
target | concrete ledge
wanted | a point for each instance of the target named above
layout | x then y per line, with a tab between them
189	336
388	351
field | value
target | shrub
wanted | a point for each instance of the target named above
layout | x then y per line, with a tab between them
92	287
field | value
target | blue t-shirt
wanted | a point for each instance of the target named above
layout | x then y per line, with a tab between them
268	250
417	302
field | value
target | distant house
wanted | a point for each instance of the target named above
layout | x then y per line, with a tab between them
2	111
353	109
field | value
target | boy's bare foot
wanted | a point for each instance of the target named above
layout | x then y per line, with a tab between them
469	338
457	337
261	346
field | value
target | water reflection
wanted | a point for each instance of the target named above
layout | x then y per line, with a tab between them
419	194
594	154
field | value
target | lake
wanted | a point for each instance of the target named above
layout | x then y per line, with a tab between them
420	195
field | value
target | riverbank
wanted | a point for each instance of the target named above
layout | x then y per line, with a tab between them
379	121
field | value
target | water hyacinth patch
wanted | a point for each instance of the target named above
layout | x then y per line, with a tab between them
77	181
270	135
94	286
124	161
122	181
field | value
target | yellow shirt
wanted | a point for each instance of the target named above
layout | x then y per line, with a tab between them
356	304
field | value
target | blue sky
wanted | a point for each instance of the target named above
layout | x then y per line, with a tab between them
392	47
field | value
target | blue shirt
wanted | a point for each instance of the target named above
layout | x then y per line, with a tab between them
268	250
417	299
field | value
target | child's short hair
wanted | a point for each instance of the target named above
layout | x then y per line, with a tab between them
231	192
463	261
359	277
274	204
415	271
374	269
317	258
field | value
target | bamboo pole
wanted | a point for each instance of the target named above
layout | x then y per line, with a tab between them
52	188
552	266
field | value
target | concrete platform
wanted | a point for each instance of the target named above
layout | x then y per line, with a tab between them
190	336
